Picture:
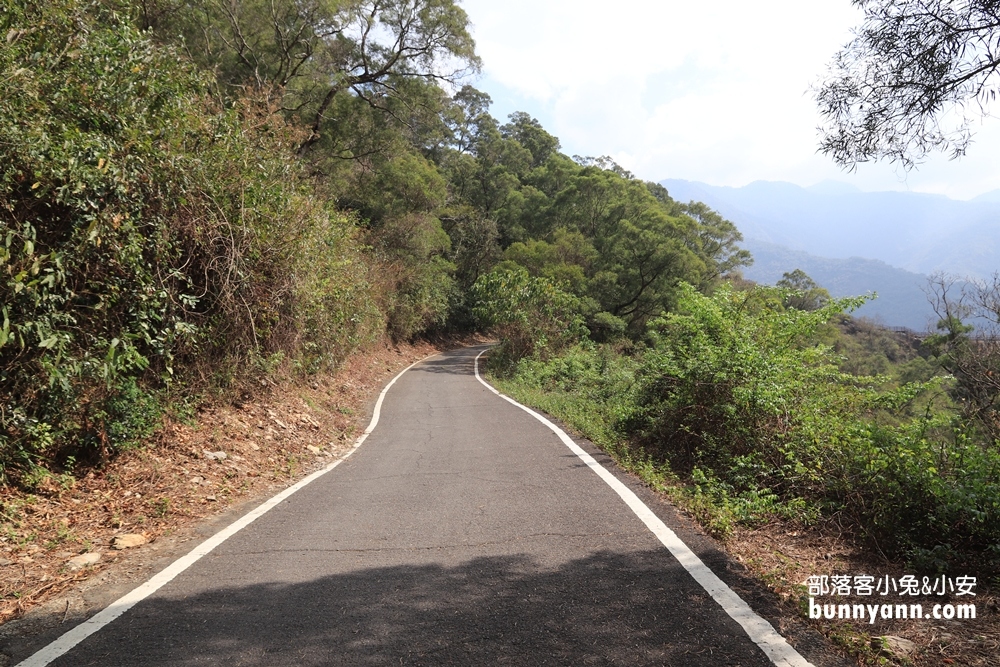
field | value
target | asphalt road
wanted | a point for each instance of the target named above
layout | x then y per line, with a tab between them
463	532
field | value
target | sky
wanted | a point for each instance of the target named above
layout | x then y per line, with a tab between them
714	91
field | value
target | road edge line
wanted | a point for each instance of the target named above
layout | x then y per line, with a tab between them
760	631
71	638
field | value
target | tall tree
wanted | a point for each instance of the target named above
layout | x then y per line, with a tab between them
803	293
528	132
715	239
313	51
914	77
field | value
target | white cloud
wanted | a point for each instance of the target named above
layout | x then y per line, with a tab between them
715	91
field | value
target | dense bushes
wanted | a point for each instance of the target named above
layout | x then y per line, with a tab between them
734	395
147	231
735	385
85	162
532	316
728	375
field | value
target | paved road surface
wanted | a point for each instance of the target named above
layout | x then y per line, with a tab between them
463	532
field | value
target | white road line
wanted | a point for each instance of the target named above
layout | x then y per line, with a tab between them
123	604
760	631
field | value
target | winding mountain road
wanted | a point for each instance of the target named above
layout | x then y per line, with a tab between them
463	532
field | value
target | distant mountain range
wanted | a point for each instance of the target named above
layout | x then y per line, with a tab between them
855	242
901	300
918	232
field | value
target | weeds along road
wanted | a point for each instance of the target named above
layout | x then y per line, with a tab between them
462	532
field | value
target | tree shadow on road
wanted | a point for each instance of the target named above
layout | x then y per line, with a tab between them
606	609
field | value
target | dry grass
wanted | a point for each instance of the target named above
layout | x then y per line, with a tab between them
784	556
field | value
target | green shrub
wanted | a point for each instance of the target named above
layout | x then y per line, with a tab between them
335	305
733	386
728	375
89	297
148	233
129	417
531	316
734	397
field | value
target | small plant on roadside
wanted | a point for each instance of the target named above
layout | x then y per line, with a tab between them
161	507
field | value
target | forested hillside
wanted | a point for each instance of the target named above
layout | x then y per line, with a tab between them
198	193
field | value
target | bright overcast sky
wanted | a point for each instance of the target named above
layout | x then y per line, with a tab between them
707	91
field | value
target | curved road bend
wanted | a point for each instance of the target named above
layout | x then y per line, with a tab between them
463	532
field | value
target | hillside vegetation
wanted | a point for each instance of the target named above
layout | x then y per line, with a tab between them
754	410
198	194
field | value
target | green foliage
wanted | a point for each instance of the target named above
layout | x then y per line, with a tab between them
248	187
722	506
618	244
629	249
735	397
591	387
85	148
530	315
334	308
361	78
867	348
529	133
606	327
803	292
145	231
129	417
565	261
715	239
317	52
735	386
398	204
727	375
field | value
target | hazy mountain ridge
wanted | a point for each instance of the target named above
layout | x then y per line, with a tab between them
901	300
921	233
